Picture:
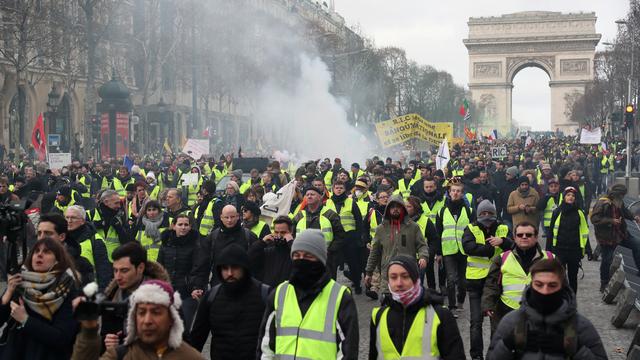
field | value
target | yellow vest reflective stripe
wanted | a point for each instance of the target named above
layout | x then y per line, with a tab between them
581	189
257	228
327	179
433	212
110	239
105	184
325	225
514	279
314	335
152	247
584	230
207	222
421	341
244	187
478	267
83	180
86	251
373	224
120	187
346	213
155	192
405	190
452	231
219	174
548	211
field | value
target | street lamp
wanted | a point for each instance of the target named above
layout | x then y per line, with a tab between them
52	110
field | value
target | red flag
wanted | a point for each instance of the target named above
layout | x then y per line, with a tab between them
462	111
38	139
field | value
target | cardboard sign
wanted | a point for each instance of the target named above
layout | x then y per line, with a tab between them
196	148
59	160
591	137
189	179
498	152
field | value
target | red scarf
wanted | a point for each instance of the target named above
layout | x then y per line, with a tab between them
408	297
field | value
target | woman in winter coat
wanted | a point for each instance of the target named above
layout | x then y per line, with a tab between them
36	307
570	235
177	255
152	222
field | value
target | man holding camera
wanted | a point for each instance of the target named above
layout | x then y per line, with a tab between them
271	257
154	328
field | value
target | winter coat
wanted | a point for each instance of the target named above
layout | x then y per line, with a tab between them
211	246
569	229
602	220
389	242
39	338
87	347
83	266
102	266
544	329
347	320
505	188
233	317
400	319
530	199
177	255
152	270
270	263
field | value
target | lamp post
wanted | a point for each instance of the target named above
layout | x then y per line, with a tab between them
627	171
52	112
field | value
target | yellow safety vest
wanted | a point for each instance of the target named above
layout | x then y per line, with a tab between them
584	230
314	335
155	192
325	225
363	205
373	224
514	279
422	223
452	231
105	184
421	341
86	251
548	211
327	178
120	187
192	191
83	180
207	222
257	228
244	187
110	239
403	189
72	201
346	213
152	247
433	212
478	267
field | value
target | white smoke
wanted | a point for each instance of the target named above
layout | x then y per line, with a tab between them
306	120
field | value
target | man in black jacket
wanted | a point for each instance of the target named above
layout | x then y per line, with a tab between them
232	310
270	257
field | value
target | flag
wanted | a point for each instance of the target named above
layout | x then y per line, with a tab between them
442	159
128	162
464	110
493	135
279	203
38	138
205	132
528	142
166	146
470	135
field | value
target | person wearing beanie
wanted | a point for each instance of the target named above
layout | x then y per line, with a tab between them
308	299
153	187
555	328
522	203
393	329
65	197
317	215
482	240
570	235
154	328
451	220
251	220
207	213
397	234
232	310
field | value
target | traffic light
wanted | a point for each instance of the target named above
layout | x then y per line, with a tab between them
628	116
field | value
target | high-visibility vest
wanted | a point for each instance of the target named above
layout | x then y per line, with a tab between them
244	187
453	230
120	187
403	189
71	202
581	189
105	183
110	239
477	266
548	211
86	251
432	213
155	192
192	192
363	205
327	178
422	223
421	341
355	176
152	247
312	336
207	222
325	225
346	214
373	223
83	180
257	228
514	279
604	165
584	230
219	174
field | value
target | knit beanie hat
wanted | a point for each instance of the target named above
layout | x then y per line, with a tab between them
570	189
312	188
523	179
237	173
150	174
311	241
513	171
161	293
252	207
486	205
406	262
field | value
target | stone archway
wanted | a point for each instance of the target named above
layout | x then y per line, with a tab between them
562	45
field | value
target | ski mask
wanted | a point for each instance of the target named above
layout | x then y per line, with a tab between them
545	304
305	273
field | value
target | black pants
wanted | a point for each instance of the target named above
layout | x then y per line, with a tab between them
354	257
606	251
430	273
475	322
570	259
456	266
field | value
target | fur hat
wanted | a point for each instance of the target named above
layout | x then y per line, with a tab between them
161	293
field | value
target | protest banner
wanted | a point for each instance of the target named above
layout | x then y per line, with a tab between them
196	148
412	126
498	152
59	160
591	136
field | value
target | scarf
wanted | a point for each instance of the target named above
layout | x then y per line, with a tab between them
44	293
410	296
151	227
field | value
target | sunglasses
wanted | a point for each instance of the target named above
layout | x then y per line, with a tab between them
524	235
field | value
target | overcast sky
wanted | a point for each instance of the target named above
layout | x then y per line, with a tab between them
431	32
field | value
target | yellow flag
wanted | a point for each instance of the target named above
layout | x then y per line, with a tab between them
166	146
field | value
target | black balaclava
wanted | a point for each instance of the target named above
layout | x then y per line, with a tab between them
305	273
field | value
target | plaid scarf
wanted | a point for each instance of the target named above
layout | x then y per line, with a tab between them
44	293
410	296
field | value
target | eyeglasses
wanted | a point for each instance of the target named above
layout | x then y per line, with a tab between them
72	218
525	235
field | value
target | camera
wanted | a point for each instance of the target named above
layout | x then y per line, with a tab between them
12	225
113	313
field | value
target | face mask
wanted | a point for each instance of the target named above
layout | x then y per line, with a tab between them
305	273
487	220
358	193
545	304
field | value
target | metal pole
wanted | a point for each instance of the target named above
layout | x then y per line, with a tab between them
627	173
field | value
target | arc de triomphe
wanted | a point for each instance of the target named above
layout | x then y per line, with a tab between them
563	45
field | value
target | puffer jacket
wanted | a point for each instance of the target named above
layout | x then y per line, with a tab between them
389	241
544	329
178	255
